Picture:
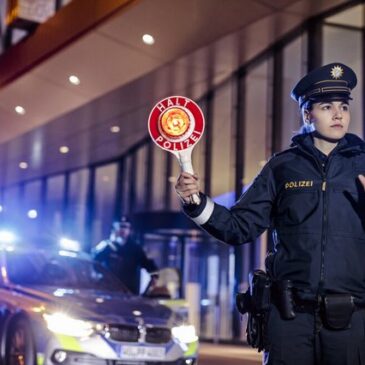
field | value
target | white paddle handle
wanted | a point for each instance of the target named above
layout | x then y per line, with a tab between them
186	166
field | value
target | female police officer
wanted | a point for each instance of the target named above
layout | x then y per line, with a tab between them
312	195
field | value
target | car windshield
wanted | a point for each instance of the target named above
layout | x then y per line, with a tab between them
45	269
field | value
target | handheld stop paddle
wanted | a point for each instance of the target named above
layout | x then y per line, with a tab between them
176	124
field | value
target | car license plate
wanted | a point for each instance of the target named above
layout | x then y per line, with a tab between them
142	352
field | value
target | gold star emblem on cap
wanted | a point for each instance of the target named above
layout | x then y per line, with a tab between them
337	72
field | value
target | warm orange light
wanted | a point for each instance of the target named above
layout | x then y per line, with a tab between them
175	122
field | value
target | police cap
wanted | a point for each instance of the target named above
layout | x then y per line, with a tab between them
330	82
123	223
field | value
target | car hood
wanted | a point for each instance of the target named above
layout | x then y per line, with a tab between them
101	306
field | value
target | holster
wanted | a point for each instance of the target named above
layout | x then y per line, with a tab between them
256	303
338	309
243	302
260	290
283	298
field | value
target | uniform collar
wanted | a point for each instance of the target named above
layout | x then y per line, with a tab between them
350	142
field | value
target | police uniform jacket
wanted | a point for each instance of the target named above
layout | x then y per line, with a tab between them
317	211
124	261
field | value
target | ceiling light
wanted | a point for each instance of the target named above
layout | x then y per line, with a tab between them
20	110
115	129
74	80
148	39
32	214
64	149
23	165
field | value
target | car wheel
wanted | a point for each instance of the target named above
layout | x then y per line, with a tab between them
19	348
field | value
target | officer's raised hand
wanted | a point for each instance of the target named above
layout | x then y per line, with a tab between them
187	185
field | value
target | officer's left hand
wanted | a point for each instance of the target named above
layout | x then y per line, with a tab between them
362	180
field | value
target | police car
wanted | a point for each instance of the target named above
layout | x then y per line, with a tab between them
63	308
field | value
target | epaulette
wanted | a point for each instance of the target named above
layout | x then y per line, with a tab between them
287	150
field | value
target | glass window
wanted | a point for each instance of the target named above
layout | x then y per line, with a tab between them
11	206
346	46
257	148
104	201
54	208
1	207
158	179
294	68
31	208
77	204
126	184
209	279
223	166
257	132
141	178
63	270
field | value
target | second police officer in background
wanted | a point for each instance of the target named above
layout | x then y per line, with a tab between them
312	196
123	256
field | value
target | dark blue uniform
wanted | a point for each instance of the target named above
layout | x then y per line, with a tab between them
315	205
317	211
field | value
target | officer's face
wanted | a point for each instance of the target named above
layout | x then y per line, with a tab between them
123	232
330	119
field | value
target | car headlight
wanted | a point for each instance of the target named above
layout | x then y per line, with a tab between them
185	333
63	324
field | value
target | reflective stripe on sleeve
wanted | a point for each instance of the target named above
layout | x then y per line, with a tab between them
204	216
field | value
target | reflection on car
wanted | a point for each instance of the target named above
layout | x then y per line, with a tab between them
63	308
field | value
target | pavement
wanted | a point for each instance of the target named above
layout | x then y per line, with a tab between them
218	354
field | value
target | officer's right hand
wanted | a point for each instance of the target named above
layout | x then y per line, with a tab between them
187	185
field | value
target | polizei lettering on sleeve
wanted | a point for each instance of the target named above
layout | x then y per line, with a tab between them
299	184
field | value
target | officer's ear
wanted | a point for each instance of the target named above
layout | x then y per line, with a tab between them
306	116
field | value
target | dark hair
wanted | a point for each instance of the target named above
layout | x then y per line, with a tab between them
305	127
308	105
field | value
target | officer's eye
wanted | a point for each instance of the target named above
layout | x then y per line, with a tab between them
345	107
326	107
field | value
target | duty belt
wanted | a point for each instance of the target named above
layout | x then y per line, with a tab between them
311	306
332	310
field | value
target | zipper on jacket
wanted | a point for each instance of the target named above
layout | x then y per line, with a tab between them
323	169
324	183
324	229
